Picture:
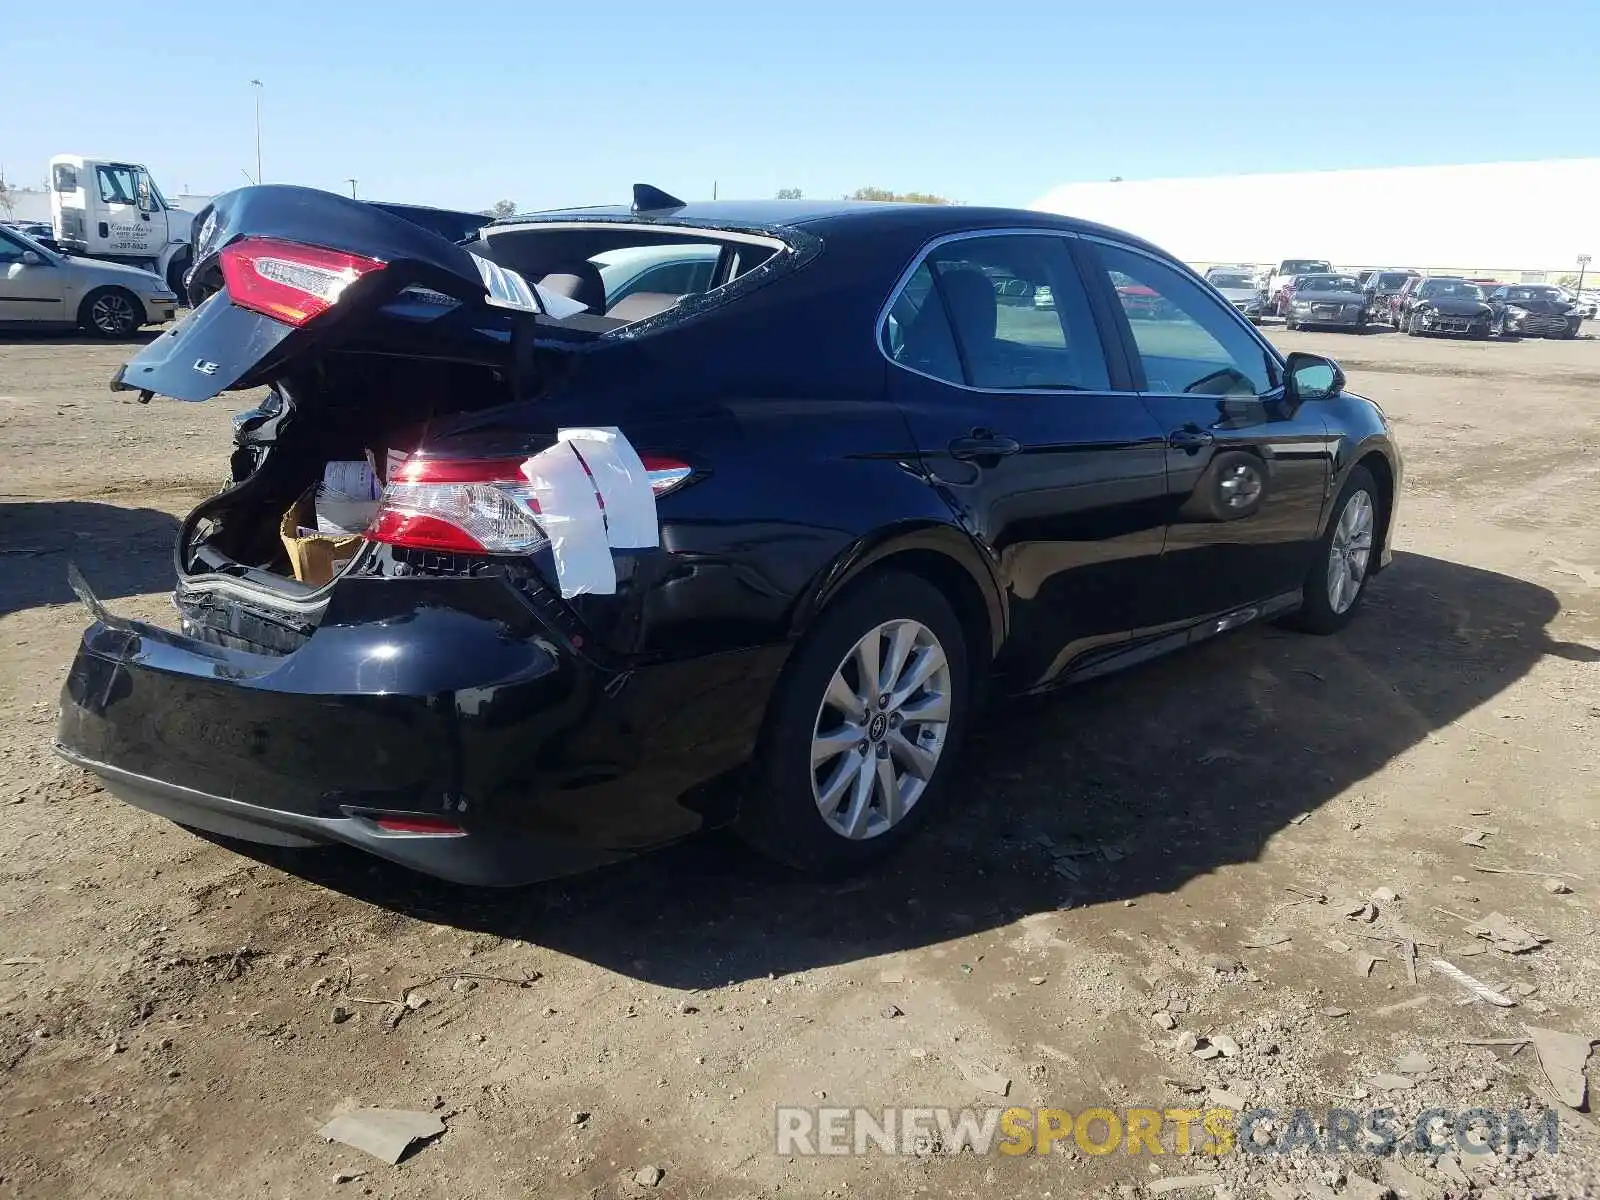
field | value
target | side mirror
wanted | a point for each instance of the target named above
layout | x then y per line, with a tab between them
31	259
1312	377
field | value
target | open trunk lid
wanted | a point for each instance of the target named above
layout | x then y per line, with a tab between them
299	269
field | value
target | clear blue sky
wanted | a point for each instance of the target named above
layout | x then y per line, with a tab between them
551	103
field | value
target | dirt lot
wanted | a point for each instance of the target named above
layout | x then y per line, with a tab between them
168	1005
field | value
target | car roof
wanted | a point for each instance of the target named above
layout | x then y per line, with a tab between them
818	216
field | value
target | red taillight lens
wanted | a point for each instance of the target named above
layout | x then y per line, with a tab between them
473	506
481	505
287	281
410	823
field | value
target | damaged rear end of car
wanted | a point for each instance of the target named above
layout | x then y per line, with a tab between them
400	666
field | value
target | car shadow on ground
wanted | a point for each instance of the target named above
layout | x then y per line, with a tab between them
121	551
1166	773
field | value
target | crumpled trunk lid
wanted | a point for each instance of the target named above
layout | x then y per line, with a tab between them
424	278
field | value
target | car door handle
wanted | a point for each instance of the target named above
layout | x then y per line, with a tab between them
1189	438
983	444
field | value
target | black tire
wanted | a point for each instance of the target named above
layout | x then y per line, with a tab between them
175	273
111	312
780	815
1413	325
1316	613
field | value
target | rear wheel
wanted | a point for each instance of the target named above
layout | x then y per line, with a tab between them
863	728
1337	581
111	312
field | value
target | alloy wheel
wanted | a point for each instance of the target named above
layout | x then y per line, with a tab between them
1241	486
1349	551
113	314
880	729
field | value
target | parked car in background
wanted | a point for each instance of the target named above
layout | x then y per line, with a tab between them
745	556
1140	302
1585	304
1290	267
1381	287
1238	288
1442	304
1327	299
1534	310
44	288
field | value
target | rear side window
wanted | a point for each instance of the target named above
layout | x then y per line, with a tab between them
1004	313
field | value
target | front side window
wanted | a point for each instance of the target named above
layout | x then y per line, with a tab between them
1188	341
117	185
10	251
1007	313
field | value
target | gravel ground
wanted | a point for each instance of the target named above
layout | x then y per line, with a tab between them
173	1011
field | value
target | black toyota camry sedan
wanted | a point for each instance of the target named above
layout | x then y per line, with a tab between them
743	546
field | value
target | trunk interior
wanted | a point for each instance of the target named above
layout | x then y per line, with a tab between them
238	584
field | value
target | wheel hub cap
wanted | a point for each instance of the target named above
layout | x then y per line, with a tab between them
880	729
1349	551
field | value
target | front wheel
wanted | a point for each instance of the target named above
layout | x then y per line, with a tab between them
1414	325
175	272
863	728
1337	581
111	312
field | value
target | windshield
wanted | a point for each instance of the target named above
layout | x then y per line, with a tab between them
1459	288
1232	279
1328	283
1392	279
1534	293
1304	266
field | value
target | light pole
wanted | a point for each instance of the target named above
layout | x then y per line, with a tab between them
1583	265
259	87
352	184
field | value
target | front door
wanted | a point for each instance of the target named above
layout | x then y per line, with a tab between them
125	219
29	290
1247	469
1054	467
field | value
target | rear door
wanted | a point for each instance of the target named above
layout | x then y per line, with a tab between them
1032	435
1247	470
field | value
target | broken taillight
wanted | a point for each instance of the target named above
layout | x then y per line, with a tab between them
471	505
481	506
287	281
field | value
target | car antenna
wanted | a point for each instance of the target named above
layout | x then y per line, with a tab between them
647	199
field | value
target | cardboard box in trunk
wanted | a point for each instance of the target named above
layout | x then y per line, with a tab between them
315	557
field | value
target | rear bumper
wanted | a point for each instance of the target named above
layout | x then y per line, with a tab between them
485	861
445	698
